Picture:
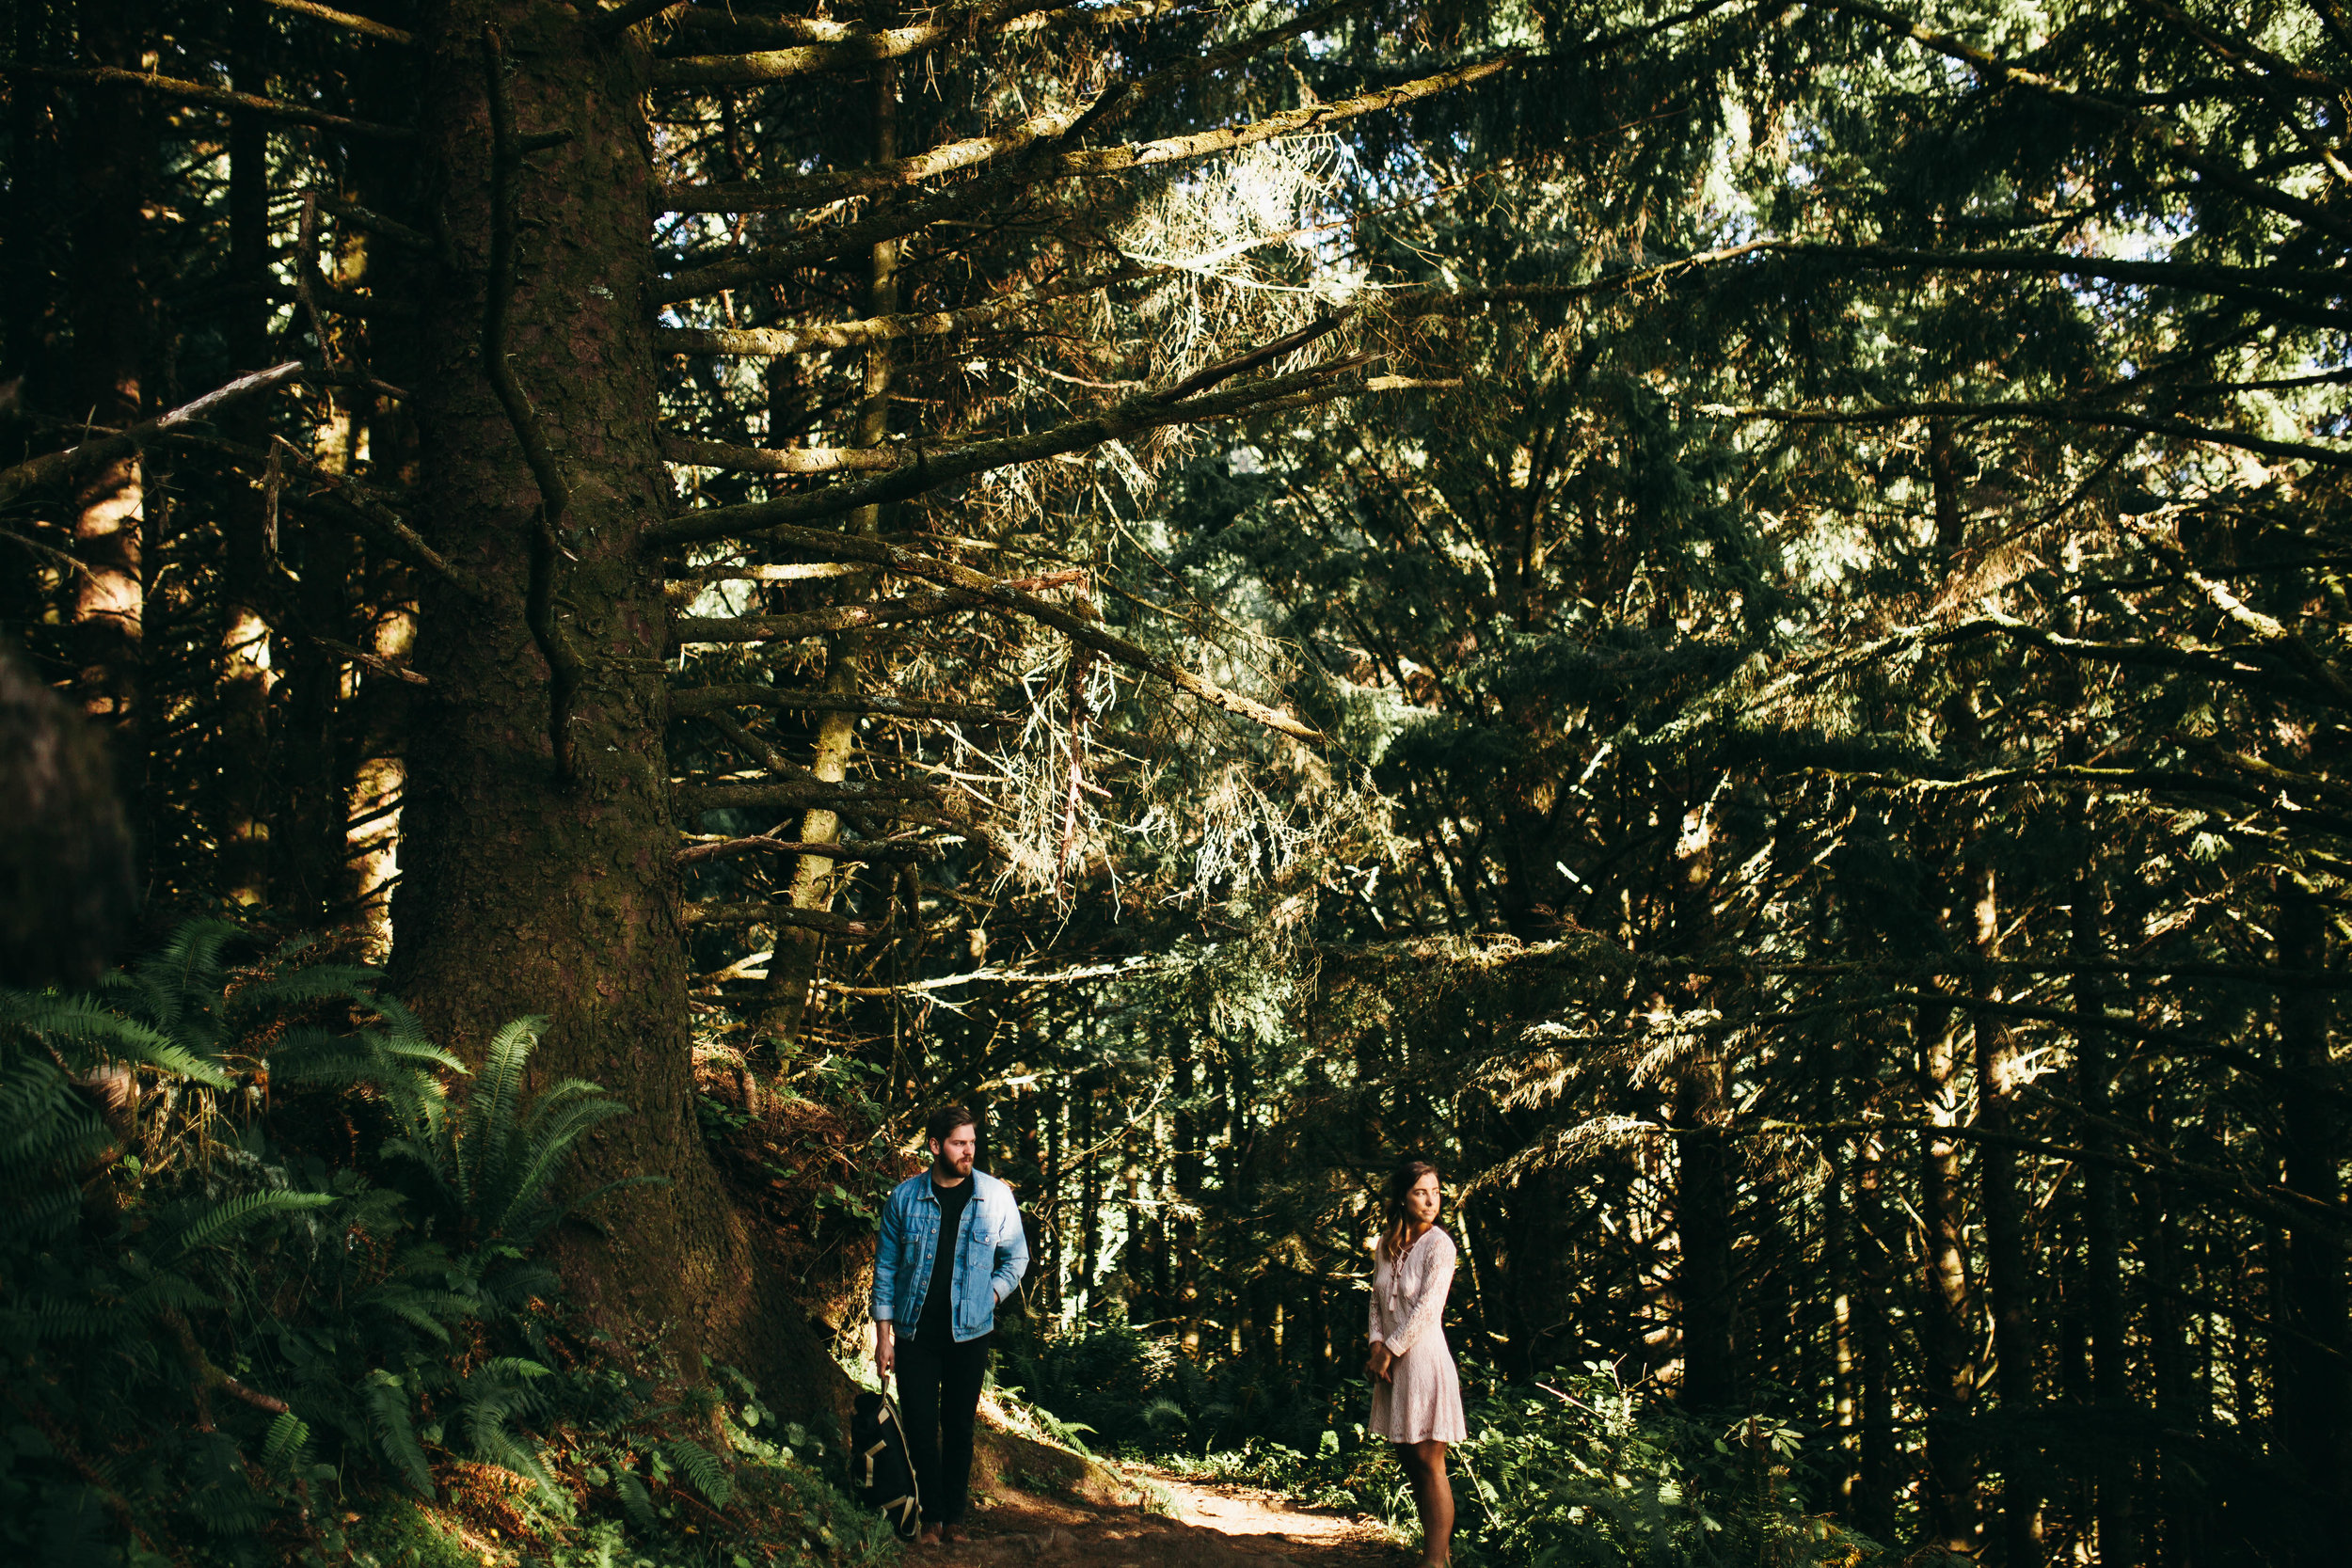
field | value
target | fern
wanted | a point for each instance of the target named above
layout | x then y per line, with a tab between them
84	1032
213	1223
287	1444
395	1433
701	1467
638	1504
492	1111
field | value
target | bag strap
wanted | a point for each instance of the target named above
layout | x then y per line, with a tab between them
914	1482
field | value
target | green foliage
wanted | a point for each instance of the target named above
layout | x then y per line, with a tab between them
1584	1473
209	1340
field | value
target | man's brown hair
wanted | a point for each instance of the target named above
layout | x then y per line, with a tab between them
941	1123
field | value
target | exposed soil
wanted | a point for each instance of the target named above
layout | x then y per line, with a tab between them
1130	1516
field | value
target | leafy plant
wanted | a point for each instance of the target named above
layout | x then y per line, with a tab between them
246	1320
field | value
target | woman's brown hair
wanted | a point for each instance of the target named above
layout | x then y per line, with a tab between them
1401	1181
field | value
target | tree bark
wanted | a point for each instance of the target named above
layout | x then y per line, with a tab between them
523	894
113	319
1946	1336
2103	1258
2008	1269
246	677
2312	1385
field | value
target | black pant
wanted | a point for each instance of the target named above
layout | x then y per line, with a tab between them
939	1397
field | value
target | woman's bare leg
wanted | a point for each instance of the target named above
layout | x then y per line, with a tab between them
1432	1494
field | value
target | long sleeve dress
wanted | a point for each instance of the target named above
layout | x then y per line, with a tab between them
1422	1399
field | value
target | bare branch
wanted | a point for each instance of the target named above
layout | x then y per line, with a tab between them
813	622
846	794
688	701
199	93
856	851
778	914
856	334
372	662
365	27
923	470
858	48
1115	102
757	460
1304	121
620	18
350	503
54	468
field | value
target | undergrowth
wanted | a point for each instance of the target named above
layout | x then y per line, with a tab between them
1581	1472
270	1292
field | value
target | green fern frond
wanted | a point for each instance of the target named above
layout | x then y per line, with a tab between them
401	1047
44	1123
395	1434
638	1504
494	1444
287	1444
709	1477
494	1109
217	1222
293	988
84	1030
417	1308
547	1142
43	1217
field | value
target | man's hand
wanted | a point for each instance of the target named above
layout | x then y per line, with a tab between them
1377	1367
885	1348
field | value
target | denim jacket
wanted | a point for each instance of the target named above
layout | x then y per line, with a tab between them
991	1255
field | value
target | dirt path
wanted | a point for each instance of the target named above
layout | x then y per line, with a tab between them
1177	1524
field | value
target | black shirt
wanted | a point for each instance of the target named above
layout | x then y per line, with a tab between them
936	1322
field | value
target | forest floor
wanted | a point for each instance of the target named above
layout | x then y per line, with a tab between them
1161	1521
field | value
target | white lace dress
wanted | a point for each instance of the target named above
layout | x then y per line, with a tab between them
1422	1398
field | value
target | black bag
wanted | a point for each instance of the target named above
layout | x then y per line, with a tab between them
881	1473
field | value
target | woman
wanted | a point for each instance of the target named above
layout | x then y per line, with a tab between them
1416	1397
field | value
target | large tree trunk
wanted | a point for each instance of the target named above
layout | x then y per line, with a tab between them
526	893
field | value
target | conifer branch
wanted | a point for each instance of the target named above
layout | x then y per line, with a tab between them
2061	412
1116	102
2258	287
2168	139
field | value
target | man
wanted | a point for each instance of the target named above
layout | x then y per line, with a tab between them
935	1306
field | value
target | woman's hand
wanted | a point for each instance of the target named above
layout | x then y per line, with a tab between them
1377	1367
